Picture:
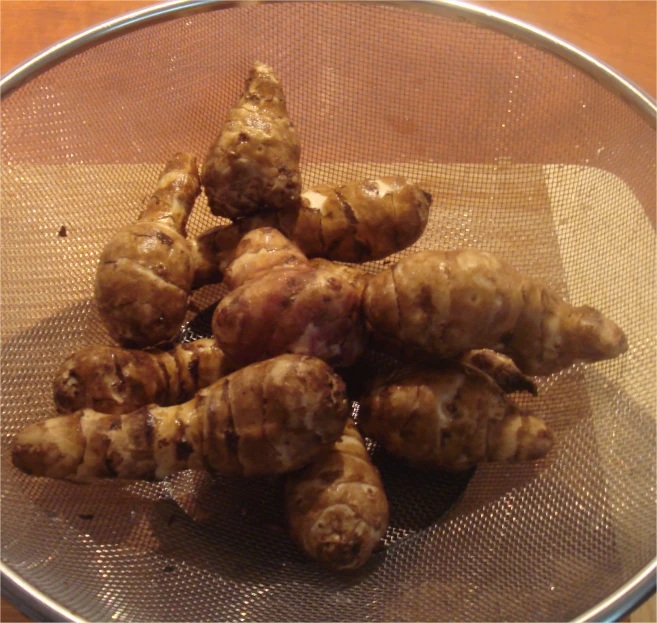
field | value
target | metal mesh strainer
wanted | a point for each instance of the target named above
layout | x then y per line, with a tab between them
540	156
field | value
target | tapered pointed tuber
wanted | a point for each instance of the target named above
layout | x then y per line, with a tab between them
145	272
253	165
447	302
360	221
336	506
269	418
118	380
501	369
451	416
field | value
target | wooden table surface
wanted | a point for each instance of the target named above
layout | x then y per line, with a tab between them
619	33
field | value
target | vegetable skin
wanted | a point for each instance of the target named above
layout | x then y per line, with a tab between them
269	418
263	251
118	380
451	416
354	222
336	506
253	165
287	308
145	271
501	369
444	303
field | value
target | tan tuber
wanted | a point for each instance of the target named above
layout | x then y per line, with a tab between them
450	416
145	272
336	506
268	418
119	380
253	165
443	303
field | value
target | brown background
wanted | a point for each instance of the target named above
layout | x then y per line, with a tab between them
621	34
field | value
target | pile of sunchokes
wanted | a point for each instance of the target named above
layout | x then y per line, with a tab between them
263	395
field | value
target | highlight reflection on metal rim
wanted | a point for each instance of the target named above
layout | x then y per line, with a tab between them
642	584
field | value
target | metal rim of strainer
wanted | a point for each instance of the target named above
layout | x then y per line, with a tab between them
38	605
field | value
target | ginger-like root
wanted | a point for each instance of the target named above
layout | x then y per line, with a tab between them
450	416
145	272
262	251
447	302
336	506
118	380
253	165
360	221
269	418
287	308
501	369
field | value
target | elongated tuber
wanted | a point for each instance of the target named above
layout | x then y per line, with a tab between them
268	418
253	165
447	302
501	369
336	506
118	380
450	416
360	221
294	308
145	272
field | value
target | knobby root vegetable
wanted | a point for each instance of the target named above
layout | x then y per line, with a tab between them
501	369
451	416
354	275
294	308
360	221
145	272
447	302
118	380
269	418
336	506
263	251
253	164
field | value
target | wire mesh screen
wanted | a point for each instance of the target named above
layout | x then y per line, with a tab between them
525	155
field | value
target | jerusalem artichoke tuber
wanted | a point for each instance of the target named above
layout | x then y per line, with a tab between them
446	302
350	273
450	416
145	272
501	369
336	506
253	164
360	221
293	308
269	418
118	380
262	251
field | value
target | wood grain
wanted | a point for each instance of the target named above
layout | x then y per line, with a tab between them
619	33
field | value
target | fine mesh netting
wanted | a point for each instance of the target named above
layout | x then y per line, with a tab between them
525	156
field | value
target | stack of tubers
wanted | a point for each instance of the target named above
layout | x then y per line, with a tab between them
264	395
